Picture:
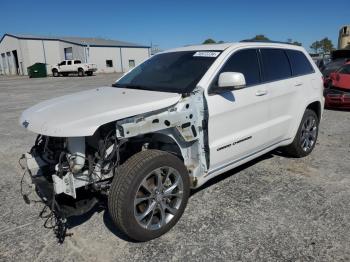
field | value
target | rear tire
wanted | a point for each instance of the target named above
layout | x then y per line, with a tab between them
149	194
306	137
81	72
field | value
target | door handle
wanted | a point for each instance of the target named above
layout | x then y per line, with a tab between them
261	92
299	84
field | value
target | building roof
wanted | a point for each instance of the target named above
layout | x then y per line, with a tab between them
84	41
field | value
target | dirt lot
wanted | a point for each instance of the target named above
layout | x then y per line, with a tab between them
272	209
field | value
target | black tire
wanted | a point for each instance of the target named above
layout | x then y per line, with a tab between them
55	73
126	185
89	73
81	72
296	149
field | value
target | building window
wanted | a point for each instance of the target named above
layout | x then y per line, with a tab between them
68	53
109	63
131	63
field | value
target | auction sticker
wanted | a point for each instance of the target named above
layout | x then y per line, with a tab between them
206	54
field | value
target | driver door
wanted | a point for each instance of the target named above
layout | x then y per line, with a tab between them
238	120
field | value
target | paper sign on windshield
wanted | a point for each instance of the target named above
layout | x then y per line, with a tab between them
206	54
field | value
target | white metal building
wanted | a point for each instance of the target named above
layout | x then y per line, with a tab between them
17	52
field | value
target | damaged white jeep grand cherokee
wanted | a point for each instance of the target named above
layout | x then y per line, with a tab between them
179	119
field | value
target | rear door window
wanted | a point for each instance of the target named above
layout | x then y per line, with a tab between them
275	64
245	62
300	64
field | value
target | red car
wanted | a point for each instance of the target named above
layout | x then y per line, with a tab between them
337	88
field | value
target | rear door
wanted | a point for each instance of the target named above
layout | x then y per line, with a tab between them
237	124
277	75
289	76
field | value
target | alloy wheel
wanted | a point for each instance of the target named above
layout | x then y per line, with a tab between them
158	198
308	133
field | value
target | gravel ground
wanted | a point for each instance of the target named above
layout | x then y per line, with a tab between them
271	209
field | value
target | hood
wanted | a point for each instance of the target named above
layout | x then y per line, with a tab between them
80	114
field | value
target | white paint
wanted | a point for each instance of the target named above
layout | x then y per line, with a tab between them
80	114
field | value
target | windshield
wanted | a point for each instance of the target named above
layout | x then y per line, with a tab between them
177	72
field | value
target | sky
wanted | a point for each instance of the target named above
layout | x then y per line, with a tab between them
169	24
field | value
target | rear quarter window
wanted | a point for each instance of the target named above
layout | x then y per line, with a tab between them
275	64
299	63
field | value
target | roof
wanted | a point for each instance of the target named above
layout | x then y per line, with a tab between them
222	47
91	41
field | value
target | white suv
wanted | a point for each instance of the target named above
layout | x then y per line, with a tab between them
179	119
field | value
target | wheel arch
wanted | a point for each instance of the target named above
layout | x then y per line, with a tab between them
316	107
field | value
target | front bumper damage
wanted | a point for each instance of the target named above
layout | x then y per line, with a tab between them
38	185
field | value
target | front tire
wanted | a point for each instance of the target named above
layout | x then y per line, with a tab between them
55	73
149	194
306	137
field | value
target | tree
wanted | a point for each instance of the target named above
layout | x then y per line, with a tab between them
260	38
290	40
326	45
209	41
297	43
315	46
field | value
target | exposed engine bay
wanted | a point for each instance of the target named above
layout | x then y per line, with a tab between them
71	175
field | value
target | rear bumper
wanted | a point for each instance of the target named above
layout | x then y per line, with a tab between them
337	99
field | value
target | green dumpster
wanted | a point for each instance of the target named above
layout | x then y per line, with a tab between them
37	70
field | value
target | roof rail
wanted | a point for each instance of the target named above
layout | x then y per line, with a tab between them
264	41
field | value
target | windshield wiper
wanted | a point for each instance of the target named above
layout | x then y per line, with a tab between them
130	86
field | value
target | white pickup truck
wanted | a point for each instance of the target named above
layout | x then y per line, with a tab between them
73	66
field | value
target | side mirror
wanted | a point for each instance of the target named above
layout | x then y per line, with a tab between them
231	81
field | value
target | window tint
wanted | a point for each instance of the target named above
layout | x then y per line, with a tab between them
245	62
275	64
77	62
63	63
300	64
69	62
